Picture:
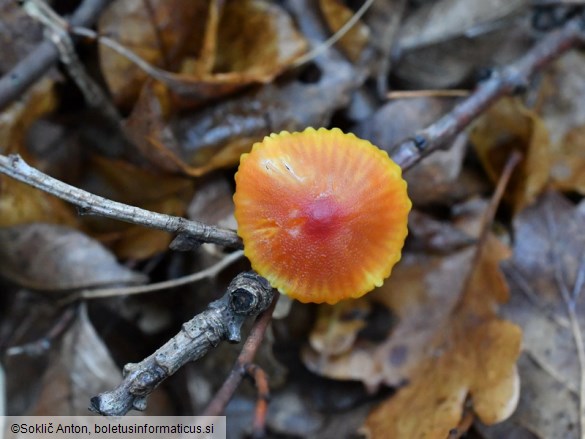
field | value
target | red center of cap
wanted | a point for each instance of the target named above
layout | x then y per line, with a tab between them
323	216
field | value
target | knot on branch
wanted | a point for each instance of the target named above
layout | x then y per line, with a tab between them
246	296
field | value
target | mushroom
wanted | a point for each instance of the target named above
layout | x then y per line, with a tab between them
322	214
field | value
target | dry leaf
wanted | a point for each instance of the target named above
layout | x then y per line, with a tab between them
383	19
20	203
548	255
198	143
160	32
213	203
456	62
336	15
448	343
568	162
471	355
256	39
561	96
426	234
244	42
446	19
2	392
337	327
51	257
506	126
79	370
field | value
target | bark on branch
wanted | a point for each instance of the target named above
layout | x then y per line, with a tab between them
90	204
247	296
509	80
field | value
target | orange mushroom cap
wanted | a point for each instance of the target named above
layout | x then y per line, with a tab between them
322	214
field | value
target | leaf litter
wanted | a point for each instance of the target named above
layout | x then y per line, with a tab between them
435	352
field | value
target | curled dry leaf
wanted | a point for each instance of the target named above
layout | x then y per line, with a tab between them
52	257
160	32
205	49
197	143
549	252
506	126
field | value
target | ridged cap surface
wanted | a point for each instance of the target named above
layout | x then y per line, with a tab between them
322	214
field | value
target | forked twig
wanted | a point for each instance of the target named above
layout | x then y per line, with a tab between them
246	296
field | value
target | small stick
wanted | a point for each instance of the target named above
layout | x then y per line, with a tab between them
101	293
410	94
261	381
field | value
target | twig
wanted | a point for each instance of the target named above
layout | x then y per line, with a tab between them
309	56
57	29
410	94
246	296
507	81
513	160
490	213
257	374
221	399
157	286
37	63
90	204
120	49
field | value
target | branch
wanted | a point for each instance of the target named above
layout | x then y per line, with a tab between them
507	81
246	296
36	64
223	396
15	167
